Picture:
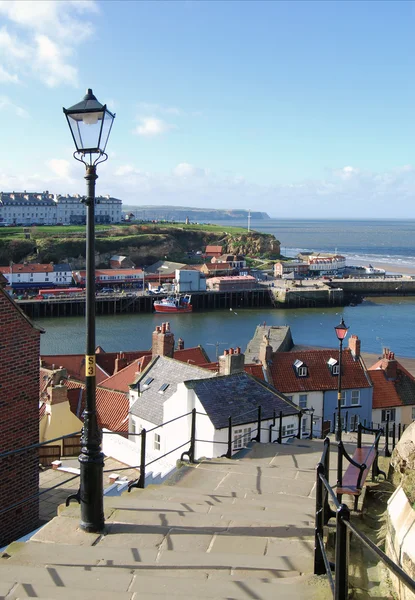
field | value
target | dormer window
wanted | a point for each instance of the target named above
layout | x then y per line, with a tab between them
147	382
333	366
300	368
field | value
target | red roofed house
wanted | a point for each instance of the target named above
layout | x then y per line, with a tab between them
310	379
213	251
19	423
211	269
393	391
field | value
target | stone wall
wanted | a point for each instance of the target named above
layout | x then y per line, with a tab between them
400	540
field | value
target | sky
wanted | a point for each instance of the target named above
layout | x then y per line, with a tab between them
297	109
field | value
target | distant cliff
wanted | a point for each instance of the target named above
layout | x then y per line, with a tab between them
180	213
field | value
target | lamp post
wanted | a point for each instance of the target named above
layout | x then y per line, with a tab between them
341	332
90	123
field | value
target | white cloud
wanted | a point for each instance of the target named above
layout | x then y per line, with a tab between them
41	37
8	105
61	168
187	170
151	127
6	77
126	170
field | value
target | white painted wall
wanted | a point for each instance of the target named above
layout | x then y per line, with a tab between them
315	400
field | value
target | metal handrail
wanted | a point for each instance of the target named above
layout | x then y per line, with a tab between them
39	445
168	422
339	587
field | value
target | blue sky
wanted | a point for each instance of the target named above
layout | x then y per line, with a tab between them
295	108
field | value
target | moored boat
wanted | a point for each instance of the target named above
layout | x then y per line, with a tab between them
174	304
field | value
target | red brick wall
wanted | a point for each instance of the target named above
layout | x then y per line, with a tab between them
19	421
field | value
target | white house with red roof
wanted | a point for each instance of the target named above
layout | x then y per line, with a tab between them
393	391
310	379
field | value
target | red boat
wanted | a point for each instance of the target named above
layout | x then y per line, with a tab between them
174	304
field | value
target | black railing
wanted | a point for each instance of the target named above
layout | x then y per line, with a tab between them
339	584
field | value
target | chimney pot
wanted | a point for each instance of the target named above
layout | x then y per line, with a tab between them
231	351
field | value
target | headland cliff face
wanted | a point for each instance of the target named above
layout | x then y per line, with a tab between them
142	244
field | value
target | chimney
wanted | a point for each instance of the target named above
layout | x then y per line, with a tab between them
58	375
390	365
163	341
120	362
57	394
180	344
354	346
265	351
232	361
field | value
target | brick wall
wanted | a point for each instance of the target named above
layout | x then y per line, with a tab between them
19	420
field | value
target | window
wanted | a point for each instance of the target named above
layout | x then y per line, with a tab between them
300	368
304	425
343	399
291	398
148	381
354	422
302	372
241	437
355	397
287	430
333	366
157	441
388	415
163	388
302	401
335	369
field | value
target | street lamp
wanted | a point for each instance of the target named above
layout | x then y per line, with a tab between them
341	332
90	123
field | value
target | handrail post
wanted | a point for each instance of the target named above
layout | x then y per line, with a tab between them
311	426
399	432
280	429
339	468
300	416
359	435
258	435
192	437
274	416
327	512
319	566
334	422
229	451
393	435
387	451
341	584
141	481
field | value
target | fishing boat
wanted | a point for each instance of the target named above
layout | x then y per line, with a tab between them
174	304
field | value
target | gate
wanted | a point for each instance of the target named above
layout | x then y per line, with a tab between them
47	454
72	446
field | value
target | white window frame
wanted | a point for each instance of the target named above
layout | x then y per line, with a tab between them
288	430
157	441
335	369
343	398
388	412
355	395
302	371
241	437
300	398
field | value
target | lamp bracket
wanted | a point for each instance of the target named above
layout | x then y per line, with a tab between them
80	157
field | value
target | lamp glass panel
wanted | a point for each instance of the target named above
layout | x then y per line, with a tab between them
86	129
106	129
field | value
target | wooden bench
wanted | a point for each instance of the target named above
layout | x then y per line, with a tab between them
356	473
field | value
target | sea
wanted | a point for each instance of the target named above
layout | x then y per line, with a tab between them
379	322
388	242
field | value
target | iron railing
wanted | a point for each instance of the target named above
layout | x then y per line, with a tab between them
339	584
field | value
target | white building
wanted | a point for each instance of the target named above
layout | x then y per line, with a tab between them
326	264
187	280
44	208
33	275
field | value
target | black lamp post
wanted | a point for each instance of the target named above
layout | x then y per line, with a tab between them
90	123
341	332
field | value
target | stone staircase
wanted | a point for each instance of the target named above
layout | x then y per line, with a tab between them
221	529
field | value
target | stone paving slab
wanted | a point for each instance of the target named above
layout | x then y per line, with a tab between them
169	519
62	530
210	588
264	485
46	592
93	578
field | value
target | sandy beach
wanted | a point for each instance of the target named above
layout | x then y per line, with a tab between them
388	267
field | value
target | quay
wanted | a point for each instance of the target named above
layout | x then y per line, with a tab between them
278	294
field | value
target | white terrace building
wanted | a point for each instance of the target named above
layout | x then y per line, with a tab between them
44	208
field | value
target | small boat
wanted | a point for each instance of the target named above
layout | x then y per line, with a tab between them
174	304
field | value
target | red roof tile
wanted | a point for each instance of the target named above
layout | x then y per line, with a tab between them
384	391
319	376
255	370
112	409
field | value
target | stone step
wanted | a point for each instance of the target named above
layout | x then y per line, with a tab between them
178	548
150	588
